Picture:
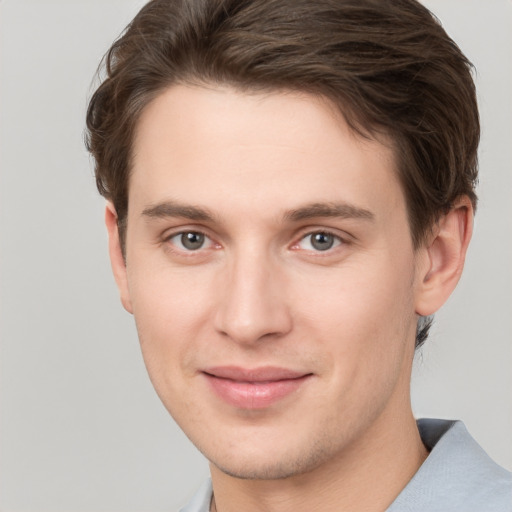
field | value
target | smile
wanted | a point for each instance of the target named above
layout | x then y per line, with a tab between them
254	389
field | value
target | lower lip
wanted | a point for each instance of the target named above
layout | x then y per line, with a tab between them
254	395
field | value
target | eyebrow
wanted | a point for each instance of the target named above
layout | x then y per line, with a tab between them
169	209
339	210
172	209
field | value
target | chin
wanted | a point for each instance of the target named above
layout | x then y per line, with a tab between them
264	471
271	465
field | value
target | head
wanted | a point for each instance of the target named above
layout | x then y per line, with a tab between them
384	86
389	67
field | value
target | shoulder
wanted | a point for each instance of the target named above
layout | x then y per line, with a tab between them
457	475
201	499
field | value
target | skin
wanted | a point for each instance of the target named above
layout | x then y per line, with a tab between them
244	170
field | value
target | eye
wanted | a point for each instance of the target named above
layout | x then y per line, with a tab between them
190	241
319	241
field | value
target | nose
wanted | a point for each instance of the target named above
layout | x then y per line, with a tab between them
252	303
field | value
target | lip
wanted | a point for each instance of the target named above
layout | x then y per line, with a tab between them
256	388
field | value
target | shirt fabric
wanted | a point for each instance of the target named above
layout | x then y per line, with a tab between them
457	476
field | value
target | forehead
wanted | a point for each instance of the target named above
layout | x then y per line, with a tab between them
219	147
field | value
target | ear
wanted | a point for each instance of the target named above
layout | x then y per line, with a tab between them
443	257
116	256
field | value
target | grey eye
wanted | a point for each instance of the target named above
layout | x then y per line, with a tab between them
192	240
322	241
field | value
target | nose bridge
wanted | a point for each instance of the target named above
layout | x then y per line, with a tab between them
252	301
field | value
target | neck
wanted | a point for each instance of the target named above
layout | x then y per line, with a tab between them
367	476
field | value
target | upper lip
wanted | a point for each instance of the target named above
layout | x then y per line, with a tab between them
261	374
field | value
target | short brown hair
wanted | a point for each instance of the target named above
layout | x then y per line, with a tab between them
388	65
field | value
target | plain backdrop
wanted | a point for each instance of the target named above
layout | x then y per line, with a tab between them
81	427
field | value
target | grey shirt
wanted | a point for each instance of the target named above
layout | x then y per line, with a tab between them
457	476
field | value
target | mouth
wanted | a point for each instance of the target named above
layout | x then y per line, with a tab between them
254	388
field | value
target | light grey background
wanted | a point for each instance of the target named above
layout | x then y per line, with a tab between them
81	427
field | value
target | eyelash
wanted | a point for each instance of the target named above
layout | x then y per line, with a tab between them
336	241
181	234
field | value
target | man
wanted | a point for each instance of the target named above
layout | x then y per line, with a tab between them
290	195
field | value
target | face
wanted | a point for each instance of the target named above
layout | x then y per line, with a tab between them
271	273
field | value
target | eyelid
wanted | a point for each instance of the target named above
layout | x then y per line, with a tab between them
181	230
343	238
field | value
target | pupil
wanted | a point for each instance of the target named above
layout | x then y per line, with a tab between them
322	241
192	240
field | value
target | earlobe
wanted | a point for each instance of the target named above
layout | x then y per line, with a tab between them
116	256
445	254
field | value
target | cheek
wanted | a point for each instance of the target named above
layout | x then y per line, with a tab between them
165	297
359	295
365	314
368	340
171	309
